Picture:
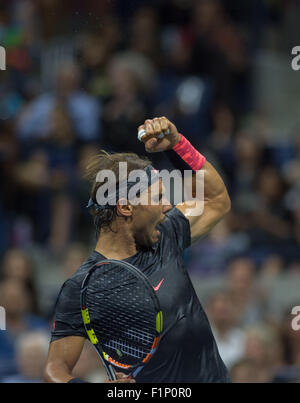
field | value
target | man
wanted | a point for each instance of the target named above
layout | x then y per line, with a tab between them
153	238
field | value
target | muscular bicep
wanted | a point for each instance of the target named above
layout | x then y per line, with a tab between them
209	206
62	357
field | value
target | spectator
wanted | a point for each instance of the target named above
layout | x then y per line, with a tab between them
128	103
291	168
18	266
48	176
248	154
16	301
229	337
8	158
31	355
270	215
296	222
272	266
218	51
73	259
245	295
209	257
84	110
244	371
263	350
144	38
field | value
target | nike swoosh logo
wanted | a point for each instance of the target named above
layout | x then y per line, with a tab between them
158	285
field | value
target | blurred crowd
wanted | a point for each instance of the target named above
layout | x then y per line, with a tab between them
82	76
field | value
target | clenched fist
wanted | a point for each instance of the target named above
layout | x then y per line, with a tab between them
158	134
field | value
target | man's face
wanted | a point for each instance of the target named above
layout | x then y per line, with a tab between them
149	214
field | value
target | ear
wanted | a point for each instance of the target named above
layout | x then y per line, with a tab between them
124	208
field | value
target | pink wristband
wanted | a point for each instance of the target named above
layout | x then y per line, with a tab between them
189	154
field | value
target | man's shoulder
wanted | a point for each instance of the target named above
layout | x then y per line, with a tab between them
177	227
78	276
70	289
176	213
172	217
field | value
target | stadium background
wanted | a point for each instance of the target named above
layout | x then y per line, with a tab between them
82	76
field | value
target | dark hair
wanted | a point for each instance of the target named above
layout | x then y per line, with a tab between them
105	160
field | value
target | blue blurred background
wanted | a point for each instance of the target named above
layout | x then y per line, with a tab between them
80	77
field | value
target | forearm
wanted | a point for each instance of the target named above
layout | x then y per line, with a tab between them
215	191
62	357
207	178
57	372
206	197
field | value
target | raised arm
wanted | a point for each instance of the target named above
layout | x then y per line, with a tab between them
211	205
216	203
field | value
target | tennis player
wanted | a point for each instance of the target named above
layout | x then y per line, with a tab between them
152	238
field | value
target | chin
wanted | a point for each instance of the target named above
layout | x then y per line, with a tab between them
156	238
150	241
153	242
